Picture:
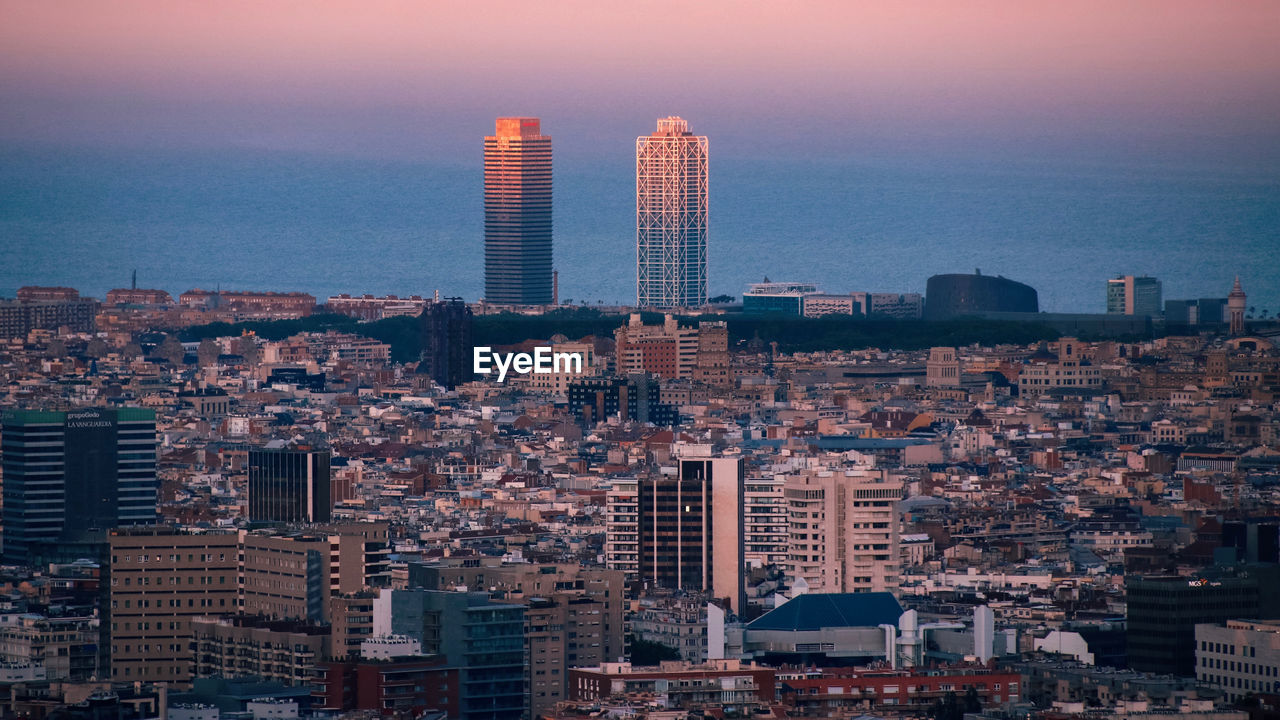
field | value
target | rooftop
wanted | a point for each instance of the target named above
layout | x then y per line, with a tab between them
816	611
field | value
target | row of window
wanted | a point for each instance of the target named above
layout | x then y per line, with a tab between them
1228	649
173	557
204	602
1247	684
191	580
1233	666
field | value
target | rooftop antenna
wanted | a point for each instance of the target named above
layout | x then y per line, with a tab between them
135	279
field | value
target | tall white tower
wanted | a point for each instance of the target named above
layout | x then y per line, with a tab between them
671	217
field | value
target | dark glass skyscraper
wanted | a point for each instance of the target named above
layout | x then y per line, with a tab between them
289	486
517	213
66	473
446	342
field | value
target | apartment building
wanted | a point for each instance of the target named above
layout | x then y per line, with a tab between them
843	534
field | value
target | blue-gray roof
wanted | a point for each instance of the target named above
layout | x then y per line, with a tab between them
815	611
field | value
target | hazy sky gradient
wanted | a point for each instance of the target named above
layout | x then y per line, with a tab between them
862	145
424	79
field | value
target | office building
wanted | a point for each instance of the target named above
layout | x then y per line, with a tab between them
1253	540
821	305
1241	657
1204	311
296	575
161	582
517	213
67	473
671	217
289	486
524	581
843	533
163	579
1163	612
785	298
899	306
483	638
446	343
955	295
1130	295
682	532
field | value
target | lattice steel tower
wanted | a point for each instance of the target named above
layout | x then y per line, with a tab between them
671	217
517	213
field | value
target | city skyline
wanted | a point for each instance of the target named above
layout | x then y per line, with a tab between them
330	391
897	142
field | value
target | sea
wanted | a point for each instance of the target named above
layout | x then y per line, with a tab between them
262	220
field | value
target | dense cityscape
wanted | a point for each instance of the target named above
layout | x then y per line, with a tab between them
791	503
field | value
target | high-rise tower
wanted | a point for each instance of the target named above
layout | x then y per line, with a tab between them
68	473
446	342
685	531
517	213
671	217
844	530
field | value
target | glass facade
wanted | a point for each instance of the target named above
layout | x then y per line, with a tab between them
517	213
67	473
289	486
485	639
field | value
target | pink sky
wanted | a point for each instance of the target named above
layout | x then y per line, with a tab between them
180	68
